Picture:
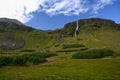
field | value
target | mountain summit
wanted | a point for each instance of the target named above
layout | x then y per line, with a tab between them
12	24
10	21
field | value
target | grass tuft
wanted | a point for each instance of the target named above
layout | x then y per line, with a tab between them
93	54
23	60
27	50
5	60
72	46
72	50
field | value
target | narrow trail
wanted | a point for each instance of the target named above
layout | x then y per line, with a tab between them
56	59
50	60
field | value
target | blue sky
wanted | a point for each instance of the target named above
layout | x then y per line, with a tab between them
53	14
45	21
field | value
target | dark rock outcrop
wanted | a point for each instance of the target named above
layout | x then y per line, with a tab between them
95	23
10	43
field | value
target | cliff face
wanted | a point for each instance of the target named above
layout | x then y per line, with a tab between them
9	42
93	23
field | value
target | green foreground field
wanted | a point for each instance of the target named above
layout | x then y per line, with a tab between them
63	67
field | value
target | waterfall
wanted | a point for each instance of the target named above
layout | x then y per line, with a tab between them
76	29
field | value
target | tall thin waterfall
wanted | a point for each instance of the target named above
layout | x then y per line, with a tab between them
76	29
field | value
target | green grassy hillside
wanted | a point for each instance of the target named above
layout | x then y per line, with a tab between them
90	40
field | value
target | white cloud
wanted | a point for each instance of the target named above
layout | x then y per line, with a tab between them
23	9
19	9
66	7
101	4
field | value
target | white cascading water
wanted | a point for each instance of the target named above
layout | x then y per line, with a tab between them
76	29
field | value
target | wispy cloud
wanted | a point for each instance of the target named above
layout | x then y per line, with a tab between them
66	7
100	4
23	9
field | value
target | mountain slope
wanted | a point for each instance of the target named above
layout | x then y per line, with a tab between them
100	32
12	24
8	30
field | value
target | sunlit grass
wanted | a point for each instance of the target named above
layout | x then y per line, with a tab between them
66	69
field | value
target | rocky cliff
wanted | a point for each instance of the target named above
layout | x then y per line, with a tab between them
92	23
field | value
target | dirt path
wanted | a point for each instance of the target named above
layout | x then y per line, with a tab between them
56	59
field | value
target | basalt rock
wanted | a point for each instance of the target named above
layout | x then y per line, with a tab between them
93	23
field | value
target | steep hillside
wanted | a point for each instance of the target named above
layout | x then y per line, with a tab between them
93	33
89	25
